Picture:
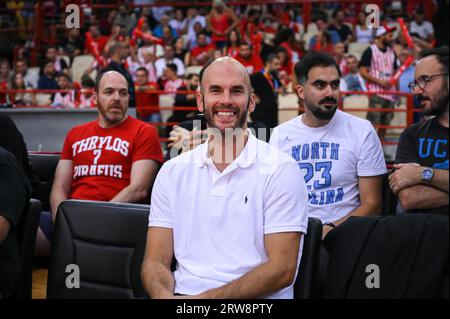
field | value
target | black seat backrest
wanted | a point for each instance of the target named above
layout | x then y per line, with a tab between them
26	238
106	241
45	166
306	285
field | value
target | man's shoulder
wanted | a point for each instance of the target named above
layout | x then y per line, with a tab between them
83	127
416	128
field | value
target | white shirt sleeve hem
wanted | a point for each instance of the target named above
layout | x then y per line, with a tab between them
284	229
159	223
372	172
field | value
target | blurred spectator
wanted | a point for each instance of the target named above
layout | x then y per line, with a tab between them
73	44
424	29
266	86
30	78
126	18
145	99
87	92
232	45
322	43
118	52
378	65
146	60
105	24
180	50
182	99
169	57
159	11
345	33
178	23
202	52
59	63
363	33
21	98
167	35
193	18
352	82
172	83
118	34
66	97
440	23
164	22
339	56
322	27
192	37
47	74
221	20
251	61
98	41
6	76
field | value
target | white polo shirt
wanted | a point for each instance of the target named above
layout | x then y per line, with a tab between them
332	158
219	219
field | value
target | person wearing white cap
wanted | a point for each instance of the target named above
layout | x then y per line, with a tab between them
378	65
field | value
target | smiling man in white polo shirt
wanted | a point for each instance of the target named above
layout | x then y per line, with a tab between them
232	211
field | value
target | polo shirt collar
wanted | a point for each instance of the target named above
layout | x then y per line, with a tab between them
244	160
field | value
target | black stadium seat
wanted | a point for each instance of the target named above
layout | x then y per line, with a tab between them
307	283
45	167
106	241
26	238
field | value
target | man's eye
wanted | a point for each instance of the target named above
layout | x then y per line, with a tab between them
320	85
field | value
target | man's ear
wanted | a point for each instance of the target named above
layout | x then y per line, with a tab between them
300	91
95	98
251	103
199	98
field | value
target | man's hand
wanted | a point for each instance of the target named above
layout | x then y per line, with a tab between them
325	230
406	175
385	84
185	140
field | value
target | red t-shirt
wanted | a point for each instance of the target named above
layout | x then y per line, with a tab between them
146	99
102	158
99	43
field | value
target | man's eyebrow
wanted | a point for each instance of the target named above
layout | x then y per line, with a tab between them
319	81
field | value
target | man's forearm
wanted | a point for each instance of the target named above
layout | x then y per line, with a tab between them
131	194
261	281
158	280
440	180
422	197
57	196
4	228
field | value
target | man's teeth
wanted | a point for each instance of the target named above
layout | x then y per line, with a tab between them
225	113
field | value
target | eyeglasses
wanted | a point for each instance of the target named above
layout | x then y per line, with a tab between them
422	81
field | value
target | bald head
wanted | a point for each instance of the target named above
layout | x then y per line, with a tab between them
220	67
105	76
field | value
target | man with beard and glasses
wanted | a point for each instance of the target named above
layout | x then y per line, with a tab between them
224	210
421	175
378	65
115	158
339	154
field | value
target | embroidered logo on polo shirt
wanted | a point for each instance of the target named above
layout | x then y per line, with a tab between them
246	199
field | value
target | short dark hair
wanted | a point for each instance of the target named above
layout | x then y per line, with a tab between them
87	82
270	58
313	59
190	76
100	76
64	75
441	55
172	66
142	69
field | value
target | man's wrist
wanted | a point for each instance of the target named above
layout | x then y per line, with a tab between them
330	225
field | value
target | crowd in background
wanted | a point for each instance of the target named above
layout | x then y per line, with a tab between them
161	46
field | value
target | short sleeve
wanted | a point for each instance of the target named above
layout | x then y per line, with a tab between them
67	153
147	145
366	58
286	200
371	161
160	215
406	151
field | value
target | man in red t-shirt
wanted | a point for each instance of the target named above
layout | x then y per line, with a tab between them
202	52
115	158
251	61
144	98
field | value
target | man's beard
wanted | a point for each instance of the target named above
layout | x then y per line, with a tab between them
387	43
320	114
439	104
241	116
111	119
